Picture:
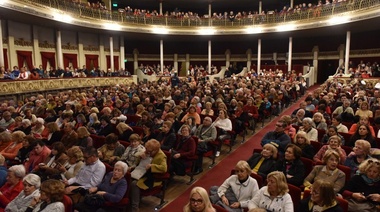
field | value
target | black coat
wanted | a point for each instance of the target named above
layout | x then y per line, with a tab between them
266	167
304	207
296	169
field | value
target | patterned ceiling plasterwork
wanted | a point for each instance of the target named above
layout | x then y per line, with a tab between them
91	48
46	45
22	42
69	46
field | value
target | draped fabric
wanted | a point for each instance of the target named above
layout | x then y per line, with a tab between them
70	58
115	62
24	57
5	59
48	56
92	61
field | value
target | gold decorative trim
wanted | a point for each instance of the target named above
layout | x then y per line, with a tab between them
5	40
22	42
68	46
46	45
91	48
108	50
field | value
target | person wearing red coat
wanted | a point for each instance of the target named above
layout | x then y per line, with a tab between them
38	155
184	150
13	186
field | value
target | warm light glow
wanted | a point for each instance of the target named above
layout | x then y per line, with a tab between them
112	26
338	20
63	18
160	30
206	31
253	30
2	2
286	27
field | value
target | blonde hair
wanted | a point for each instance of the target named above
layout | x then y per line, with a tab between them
365	144
280	179
329	153
320	115
302	134
206	199
243	165
273	149
82	132
367	164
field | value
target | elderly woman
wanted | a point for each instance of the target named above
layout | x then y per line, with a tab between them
133	152
31	190
51	197
185	149
297	119
331	130
13	186
308	127
303	142
38	127
237	190
322	198
265	162
334	143
359	153
54	133
10	152
50	167
112	150
363	189
319	121
125	131
5	139
112	188
93	124
291	165
362	133
75	163
208	109
26	126
274	196
328	172
192	112
199	201
84	138
364	110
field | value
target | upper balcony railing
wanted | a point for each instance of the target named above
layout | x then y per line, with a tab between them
315	13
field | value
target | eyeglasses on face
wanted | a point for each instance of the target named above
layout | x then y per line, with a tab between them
196	201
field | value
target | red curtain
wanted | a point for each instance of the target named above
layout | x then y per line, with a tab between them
70	58
91	61
5	59
24	56
48	56
115	62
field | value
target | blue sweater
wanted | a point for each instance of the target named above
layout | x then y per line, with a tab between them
115	191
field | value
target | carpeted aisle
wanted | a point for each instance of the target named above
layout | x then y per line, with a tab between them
221	171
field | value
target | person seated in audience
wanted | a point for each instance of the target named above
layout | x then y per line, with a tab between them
208	111
302	106
16	124
331	130
6	120
112	188
51	197
363	133
319	121
31	190
360	153
274	196
90	175
28	145
84	138
10	152
93	124
74	163
133	152
289	130
328	172
309	128
237	190
184	149
105	126
26	127
337	122
322	197
50	167
29	115
167	136
199	201
191	123
223	124
334	143
124	131
303	143
344	110
364	110
299	116
13	186
278	138
265	162
362	191
291	165
145	117
38	155
192	112
148	132
54	134
112	150
364	120
70	137
157	166
205	133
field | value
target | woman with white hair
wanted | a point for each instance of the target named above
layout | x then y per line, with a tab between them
319	121
39	127
31	190
309	128
13	186
111	189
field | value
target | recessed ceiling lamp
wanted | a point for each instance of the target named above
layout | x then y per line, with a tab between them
112	26
160	30
286	27
206	31
338	20
2	2
63	18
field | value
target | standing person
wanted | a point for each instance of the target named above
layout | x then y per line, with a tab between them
199	201
278	137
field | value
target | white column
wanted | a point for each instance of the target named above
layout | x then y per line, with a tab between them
111	55
102	54
249	59
209	56
258	56
209	15
290	54
12	52
176	63
161	8
291	3
341	54
347	58
162	55
187	61
2	63
135	59
228	58
36	48
315	62
122	53
59	50
275	57
260	6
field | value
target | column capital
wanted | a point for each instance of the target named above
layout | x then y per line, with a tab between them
249	51
135	51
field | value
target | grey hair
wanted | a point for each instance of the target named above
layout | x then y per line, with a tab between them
26	121
33	180
18	170
123	166
2	160
308	120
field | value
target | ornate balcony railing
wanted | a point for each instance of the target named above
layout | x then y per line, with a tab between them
84	12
